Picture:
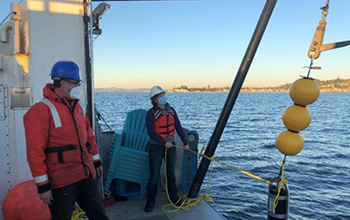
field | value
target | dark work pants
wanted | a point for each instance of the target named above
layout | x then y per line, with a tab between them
156	154
85	193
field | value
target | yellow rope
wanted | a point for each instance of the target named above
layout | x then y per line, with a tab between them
230	166
187	203
78	213
279	186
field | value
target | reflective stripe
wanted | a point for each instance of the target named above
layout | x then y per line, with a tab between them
55	115
82	106
157	114
41	179
96	157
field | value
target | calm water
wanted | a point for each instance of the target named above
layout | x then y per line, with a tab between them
318	177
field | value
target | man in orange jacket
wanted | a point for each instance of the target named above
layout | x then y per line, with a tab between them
61	149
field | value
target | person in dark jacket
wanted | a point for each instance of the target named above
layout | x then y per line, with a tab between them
61	149
162	122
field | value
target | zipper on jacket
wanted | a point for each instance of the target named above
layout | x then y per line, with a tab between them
71	111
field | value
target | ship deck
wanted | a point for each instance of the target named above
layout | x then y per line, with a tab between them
132	209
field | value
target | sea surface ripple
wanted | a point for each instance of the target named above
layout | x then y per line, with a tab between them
318	177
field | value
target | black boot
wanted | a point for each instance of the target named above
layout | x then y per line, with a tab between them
149	206
177	201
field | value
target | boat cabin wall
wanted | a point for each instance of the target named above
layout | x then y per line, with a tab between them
36	35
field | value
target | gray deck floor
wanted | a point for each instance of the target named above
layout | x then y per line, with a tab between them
132	209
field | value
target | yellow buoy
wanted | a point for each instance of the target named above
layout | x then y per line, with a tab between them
289	143
304	91
296	118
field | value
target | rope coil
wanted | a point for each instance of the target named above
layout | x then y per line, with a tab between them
187	203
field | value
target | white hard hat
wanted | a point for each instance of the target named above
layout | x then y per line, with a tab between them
155	90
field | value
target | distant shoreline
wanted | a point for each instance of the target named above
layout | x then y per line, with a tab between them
242	91
326	86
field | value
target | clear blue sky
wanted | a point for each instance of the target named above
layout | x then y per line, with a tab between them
200	43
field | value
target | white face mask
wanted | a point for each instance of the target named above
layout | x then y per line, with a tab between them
76	92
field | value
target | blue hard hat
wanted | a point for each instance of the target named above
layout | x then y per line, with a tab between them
66	69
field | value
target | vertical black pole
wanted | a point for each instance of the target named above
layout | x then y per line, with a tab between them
232	96
88	71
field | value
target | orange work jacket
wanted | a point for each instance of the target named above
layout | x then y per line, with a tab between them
61	146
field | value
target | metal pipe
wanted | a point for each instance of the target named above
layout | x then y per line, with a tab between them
4	29
88	68
232	96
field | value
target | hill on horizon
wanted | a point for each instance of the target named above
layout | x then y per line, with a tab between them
332	85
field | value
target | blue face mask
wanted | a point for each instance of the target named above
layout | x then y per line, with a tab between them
162	100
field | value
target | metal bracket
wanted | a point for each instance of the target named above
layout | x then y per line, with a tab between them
317	45
1	63
2	102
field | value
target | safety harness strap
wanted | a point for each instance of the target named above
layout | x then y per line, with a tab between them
59	150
